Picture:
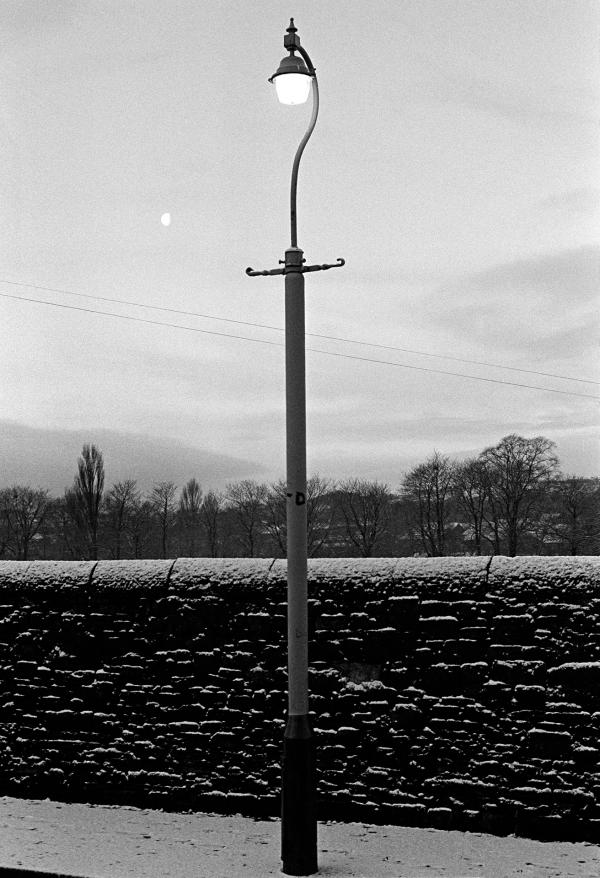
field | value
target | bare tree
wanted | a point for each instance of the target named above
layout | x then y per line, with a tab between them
162	499
22	510
210	512
84	499
320	511
247	500
276	515
520	470
577	518
365	507
471	490
4	528
190	504
493	529
119	504
138	526
69	540
428	487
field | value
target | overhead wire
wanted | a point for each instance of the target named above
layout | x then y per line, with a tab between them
268	326
312	350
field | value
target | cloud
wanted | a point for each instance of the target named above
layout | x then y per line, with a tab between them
579	451
575	272
518	102
583	201
583	339
28	19
525	303
395	429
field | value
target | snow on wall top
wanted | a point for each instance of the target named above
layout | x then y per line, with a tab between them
533	573
139	575
198	574
21	575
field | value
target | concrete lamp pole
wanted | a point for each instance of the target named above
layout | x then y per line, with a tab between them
294	79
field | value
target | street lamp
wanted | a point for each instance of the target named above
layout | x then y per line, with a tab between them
294	79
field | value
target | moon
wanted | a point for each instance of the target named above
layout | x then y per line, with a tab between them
166	219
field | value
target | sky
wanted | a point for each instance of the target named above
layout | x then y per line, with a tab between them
454	166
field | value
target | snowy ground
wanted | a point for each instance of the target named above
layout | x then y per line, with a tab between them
117	842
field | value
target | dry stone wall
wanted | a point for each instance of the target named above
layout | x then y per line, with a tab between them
456	693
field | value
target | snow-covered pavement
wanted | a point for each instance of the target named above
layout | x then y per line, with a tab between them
122	842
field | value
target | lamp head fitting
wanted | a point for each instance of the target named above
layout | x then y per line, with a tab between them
293	77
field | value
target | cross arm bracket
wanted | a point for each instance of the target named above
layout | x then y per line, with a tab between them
298	269
338	264
252	273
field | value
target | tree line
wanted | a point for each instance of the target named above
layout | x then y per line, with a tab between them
510	499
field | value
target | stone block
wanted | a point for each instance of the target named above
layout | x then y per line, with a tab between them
439	818
442	678
383	644
532	696
353	649
430	608
402	611
480	633
348	735
467	649
439	627
578	676
532	822
516	651
509	625
525	672
473	674
406	716
586	758
551	743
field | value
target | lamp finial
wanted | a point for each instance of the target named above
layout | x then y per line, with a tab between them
290	40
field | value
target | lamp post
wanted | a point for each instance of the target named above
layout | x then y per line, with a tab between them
294	80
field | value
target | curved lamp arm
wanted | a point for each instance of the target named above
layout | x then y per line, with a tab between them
300	150
294	261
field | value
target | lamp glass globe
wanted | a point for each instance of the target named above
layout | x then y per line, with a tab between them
292	88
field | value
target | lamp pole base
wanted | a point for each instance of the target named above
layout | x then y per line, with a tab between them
298	799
